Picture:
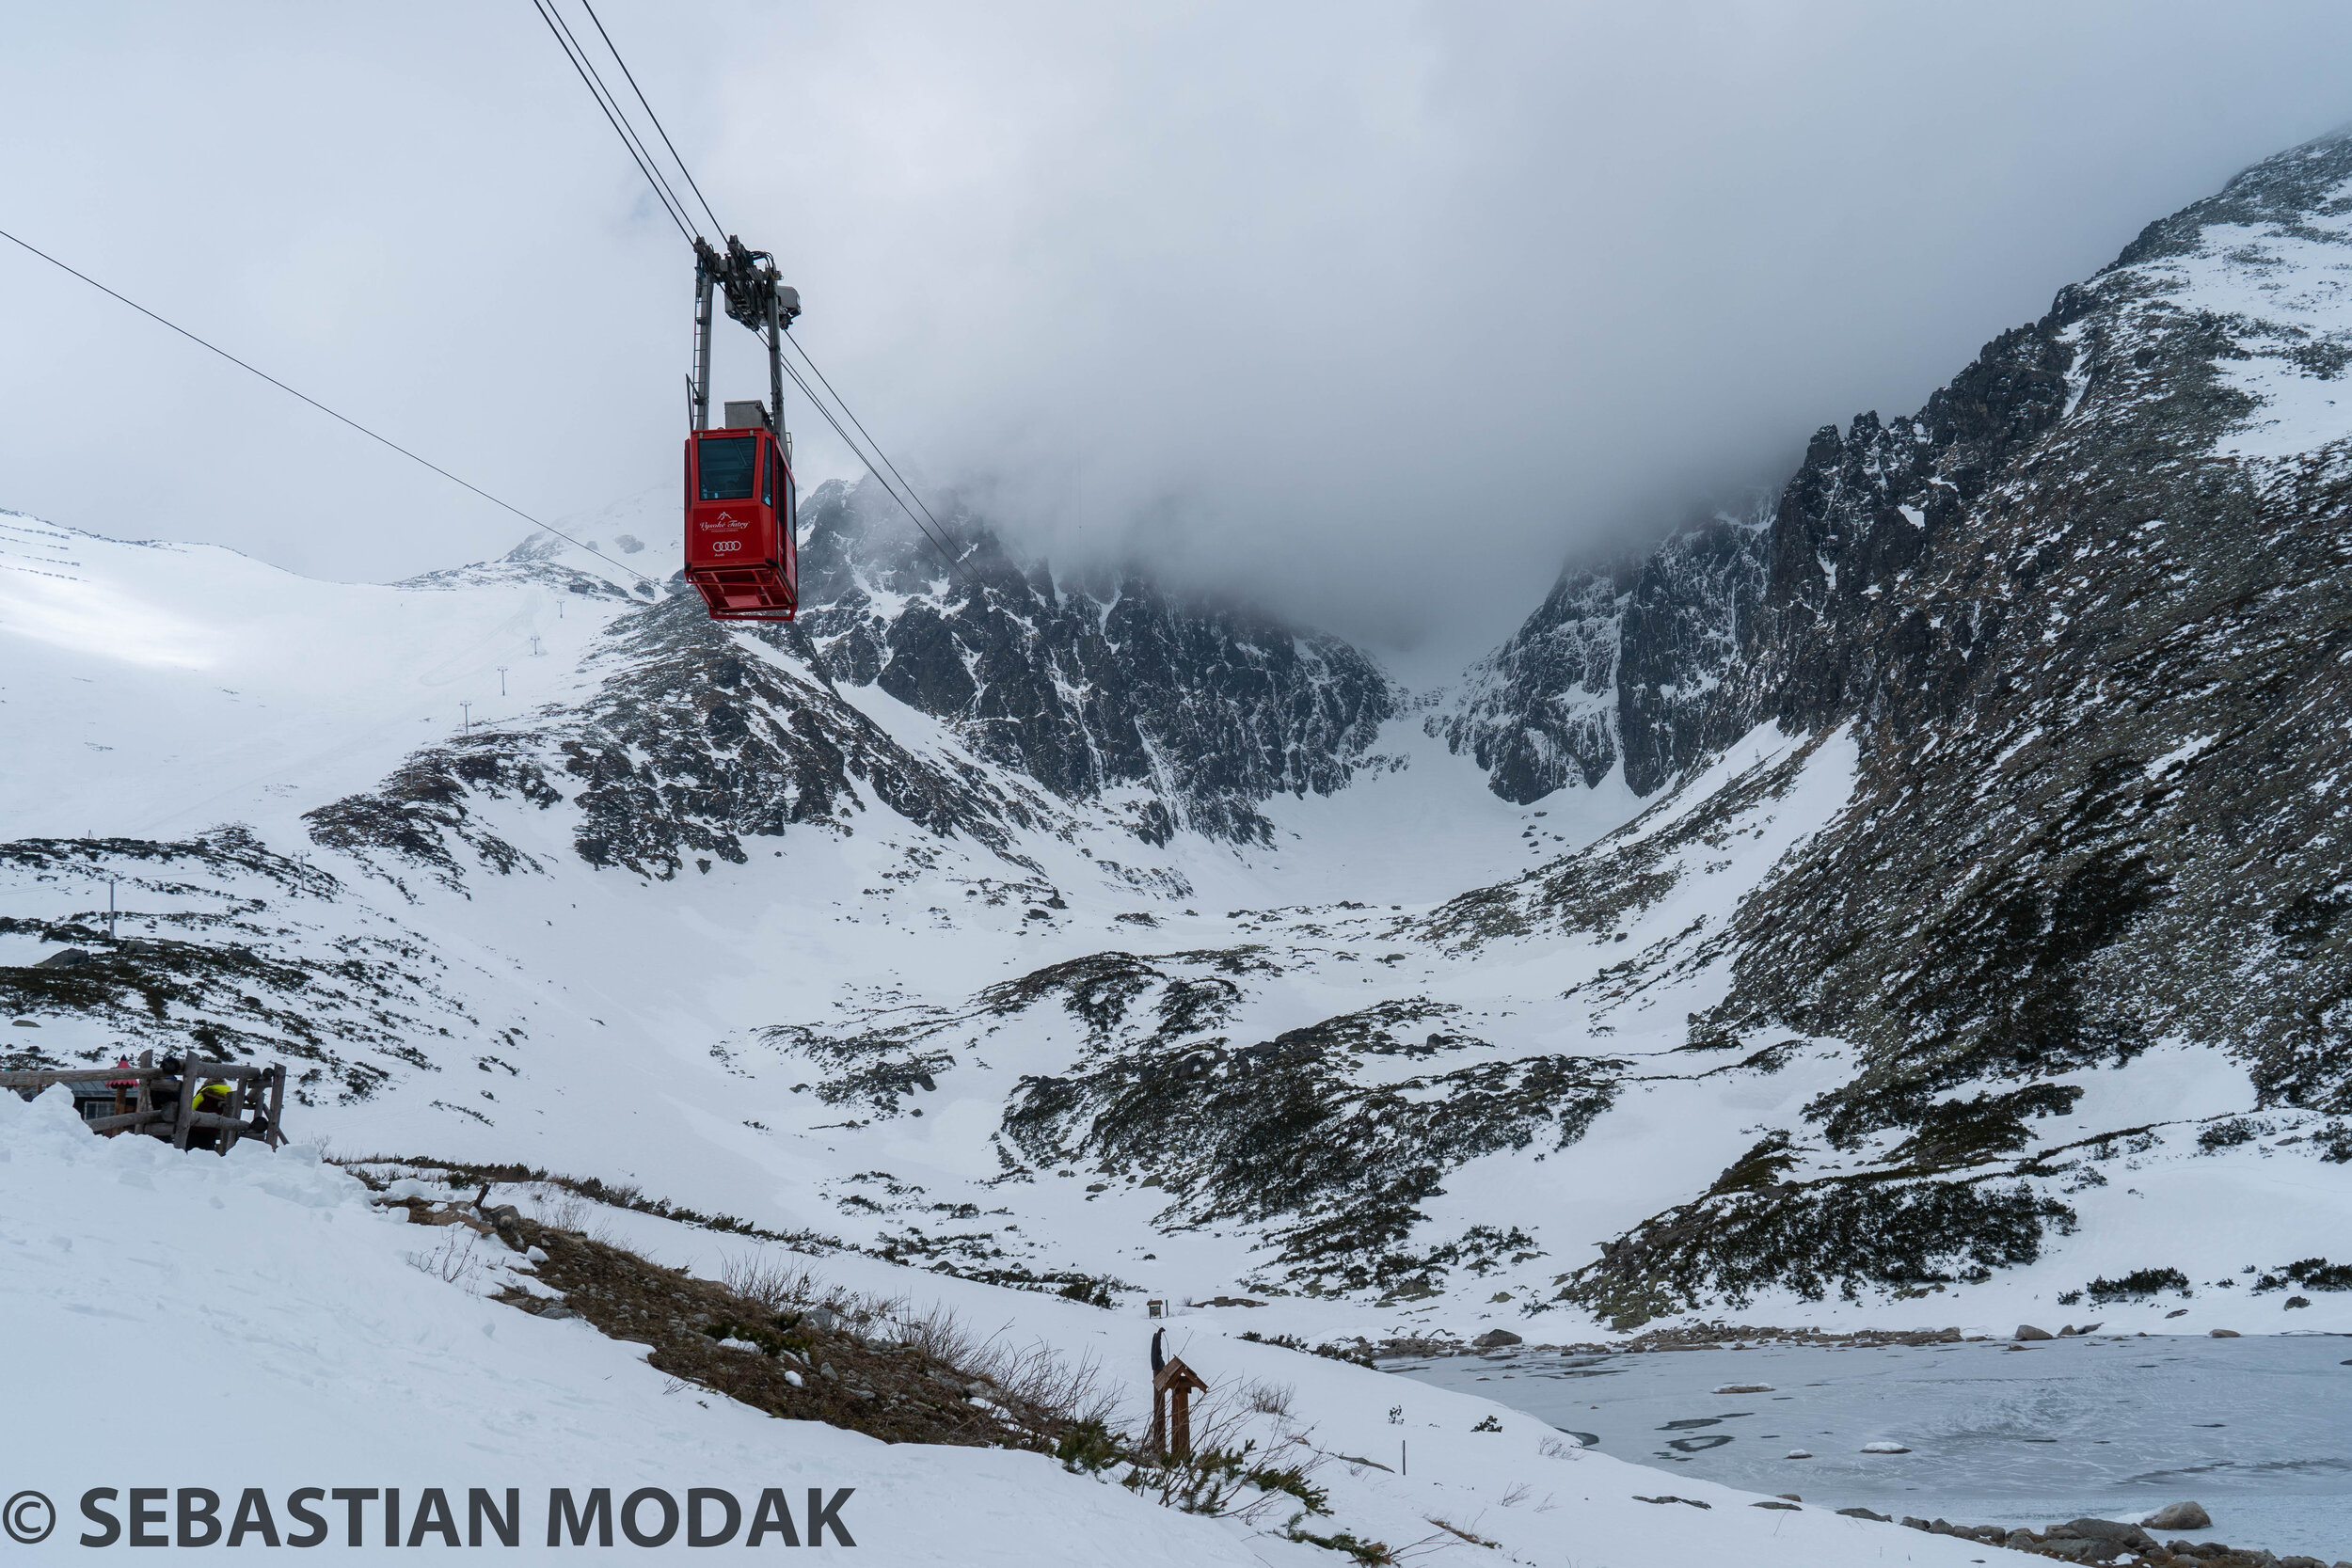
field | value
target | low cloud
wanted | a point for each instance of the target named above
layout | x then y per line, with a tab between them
1371	314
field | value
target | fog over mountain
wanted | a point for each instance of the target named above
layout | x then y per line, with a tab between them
1370	315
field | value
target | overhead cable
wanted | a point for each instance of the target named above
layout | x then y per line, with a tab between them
314	402
946	553
800	349
596	89
716	228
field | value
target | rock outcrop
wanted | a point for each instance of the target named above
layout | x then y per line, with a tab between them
1087	687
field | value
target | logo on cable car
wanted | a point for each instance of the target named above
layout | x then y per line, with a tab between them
724	519
718	546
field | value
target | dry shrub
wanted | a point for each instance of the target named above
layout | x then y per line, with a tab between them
559	1208
770	1284
454	1261
1045	1388
1227	1474
1035	1386
1271	1399
1041	1388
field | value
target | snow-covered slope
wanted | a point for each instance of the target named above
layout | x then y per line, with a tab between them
265	1301
1953	910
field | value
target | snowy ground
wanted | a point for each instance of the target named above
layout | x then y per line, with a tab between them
253	1322
2259	1430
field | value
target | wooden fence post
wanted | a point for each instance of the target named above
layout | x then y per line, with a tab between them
224	1137
276	1104
187	1106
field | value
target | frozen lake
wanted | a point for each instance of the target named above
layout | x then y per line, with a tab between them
2259	1430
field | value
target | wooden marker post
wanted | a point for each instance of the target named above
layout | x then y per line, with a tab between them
1174	1385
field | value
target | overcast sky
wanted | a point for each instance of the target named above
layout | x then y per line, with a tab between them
1370	311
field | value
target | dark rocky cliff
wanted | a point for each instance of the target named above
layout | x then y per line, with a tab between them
1626	661
2087	615
1086	686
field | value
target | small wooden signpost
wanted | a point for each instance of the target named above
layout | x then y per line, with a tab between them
1178	1382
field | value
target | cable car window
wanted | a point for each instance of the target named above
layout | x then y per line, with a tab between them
727	467
767	480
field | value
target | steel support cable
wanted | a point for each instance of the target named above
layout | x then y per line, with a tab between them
609	102
719	228
622	120
946	553
909	489
597	91
314	402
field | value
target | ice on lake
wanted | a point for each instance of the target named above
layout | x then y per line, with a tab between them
2258	1428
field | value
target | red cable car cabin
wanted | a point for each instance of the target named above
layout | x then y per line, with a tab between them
739	548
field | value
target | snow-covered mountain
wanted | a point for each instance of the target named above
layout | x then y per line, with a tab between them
1928	884
2084	614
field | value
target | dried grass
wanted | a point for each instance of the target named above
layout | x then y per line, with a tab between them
1471	1536
1271	1399
771	1284
454	1261
1041	1388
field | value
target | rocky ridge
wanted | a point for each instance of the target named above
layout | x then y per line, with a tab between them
1090	687
1620	664
2083	613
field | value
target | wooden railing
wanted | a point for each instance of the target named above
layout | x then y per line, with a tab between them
163	1104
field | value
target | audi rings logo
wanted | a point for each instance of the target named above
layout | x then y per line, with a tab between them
720	544
28	1518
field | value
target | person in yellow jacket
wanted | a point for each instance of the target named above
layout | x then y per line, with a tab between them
215	1098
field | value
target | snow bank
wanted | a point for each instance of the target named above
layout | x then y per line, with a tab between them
187	1320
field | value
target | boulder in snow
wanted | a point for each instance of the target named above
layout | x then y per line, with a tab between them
2102	1529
